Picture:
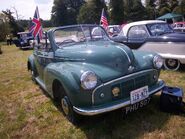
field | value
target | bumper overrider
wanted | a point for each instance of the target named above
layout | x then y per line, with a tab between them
113	106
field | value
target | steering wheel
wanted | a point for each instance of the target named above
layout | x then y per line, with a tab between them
67	41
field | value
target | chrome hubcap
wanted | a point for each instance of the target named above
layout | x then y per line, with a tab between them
65	106
171	62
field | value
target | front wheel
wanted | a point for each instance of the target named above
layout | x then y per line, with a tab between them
172	64
67	107
68	110
33	75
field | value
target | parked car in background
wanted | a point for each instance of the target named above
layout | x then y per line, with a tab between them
156	36
88	74
113	30
24	40
179	26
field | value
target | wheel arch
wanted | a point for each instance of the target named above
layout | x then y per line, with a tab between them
66	80
55	85
68	75
30	63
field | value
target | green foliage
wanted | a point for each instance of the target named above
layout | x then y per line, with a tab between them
116	12
173	4
150	3
87	15
151	9
182	7
91	12
162	4
23	23
59	13
4	29
64	12
14	26
158	8
164	10
46	23
135	11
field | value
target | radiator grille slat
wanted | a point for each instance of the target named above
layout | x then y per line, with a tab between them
132	84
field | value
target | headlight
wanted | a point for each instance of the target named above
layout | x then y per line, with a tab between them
88	80
158	61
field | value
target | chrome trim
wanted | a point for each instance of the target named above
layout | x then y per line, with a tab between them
38	80
125	53
127	76
95	91
91	112
173	56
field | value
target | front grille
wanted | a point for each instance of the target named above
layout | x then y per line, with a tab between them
126	84
132	84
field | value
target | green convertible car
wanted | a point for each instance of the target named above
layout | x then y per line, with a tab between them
88	74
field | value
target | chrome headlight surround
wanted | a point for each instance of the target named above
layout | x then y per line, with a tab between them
158	61
88	80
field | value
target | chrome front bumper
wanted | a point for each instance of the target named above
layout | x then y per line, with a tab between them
95	111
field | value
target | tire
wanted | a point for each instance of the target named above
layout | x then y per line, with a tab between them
172	64
33	75
66	107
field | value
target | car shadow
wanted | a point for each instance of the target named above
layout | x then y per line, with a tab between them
117	124
182	68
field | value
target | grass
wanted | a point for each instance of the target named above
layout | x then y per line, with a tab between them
25	112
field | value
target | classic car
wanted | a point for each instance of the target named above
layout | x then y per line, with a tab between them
113	30
24	40
157	36
88	74
179	26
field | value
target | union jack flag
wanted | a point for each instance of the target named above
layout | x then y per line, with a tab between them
36	27
103	20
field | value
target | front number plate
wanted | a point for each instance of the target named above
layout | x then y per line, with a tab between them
138	94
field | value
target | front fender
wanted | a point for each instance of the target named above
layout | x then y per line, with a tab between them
69	76
30	63
144	59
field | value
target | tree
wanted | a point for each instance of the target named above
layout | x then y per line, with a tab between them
134	10
4	29
163	7
182	6
59	13
64	12
173	4
151	8
91	12
117	11
164	10
14	26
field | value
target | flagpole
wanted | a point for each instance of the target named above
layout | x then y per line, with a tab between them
101	15
38	39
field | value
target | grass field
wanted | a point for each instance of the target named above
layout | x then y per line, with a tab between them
26	112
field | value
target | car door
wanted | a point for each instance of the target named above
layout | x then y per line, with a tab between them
43	56
136	36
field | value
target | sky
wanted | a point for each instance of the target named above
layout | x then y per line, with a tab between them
26	8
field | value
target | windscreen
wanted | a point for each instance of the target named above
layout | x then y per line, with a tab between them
159	29
69	36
